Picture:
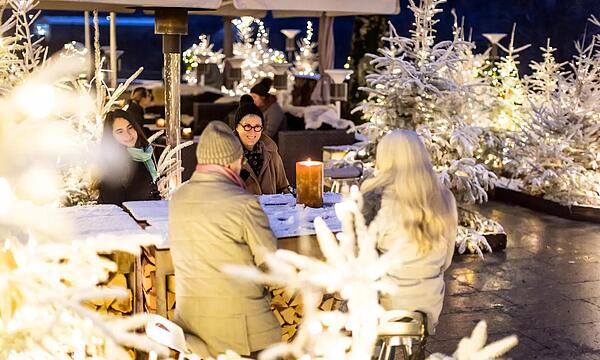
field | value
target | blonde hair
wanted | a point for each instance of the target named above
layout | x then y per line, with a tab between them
405	170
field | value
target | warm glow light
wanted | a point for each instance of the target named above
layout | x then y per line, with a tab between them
6	196
39	185
42	95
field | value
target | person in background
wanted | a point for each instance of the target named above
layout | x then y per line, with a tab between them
412	213
140	99
128	170
214	221
275	120
263	170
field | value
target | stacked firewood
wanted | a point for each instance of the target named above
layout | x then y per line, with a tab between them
149	288
118	279
148	278
114	306
289	310
170	296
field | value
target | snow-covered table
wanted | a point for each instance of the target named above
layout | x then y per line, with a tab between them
287	220
292	224
92	221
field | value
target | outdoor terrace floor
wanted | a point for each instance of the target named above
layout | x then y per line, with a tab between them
545	288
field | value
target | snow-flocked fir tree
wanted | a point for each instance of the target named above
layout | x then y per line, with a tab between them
558	153
305	60
46	274
508	90
202	52
506	106
253	47
424	86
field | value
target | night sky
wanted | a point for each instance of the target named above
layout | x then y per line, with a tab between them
564	21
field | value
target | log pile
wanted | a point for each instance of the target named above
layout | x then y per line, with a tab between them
114	306
148	278
289	310
118	279
148	274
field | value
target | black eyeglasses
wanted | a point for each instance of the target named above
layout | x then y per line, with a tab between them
248	127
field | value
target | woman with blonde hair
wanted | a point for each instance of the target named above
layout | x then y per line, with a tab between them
413	214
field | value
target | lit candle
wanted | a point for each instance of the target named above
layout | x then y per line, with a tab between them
309	183
186	133
160	122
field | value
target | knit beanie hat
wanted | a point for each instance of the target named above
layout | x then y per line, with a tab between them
247	107
218	145
262	87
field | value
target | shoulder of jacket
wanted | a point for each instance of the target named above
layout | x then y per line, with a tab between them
268	143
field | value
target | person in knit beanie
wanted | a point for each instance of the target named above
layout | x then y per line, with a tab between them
274	117
218	145
214	221
263	170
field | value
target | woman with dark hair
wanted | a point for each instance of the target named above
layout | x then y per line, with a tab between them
263	170
140	99
275	120
128	170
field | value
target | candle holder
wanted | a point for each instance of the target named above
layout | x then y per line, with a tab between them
309	183
290	44
338	90
235	71
186	133
280	80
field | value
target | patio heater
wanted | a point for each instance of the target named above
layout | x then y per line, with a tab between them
290	44
494	39
280	80
338	90
171	23
235	71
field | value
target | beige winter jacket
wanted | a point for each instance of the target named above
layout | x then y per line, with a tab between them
419	277
212	222
272	179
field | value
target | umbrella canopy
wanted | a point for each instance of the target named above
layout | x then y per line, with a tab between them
123	5
305	8
291	8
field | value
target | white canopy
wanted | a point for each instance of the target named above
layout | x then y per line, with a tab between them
290	8
302	8
123	5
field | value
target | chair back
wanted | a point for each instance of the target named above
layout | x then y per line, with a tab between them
204	113
166	333
297	146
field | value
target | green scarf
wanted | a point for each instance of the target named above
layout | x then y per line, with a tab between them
145	156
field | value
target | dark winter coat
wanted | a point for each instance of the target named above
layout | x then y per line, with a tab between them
137	185
275	120
271	179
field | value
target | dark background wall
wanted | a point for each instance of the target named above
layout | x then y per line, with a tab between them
564	21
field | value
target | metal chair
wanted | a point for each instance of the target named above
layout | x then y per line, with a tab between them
403	331
346	176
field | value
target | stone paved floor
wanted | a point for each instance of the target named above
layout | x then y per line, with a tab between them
545	288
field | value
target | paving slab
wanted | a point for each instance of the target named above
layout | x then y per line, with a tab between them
545	288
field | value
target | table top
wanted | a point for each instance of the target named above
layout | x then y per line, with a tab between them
286	218
94	220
